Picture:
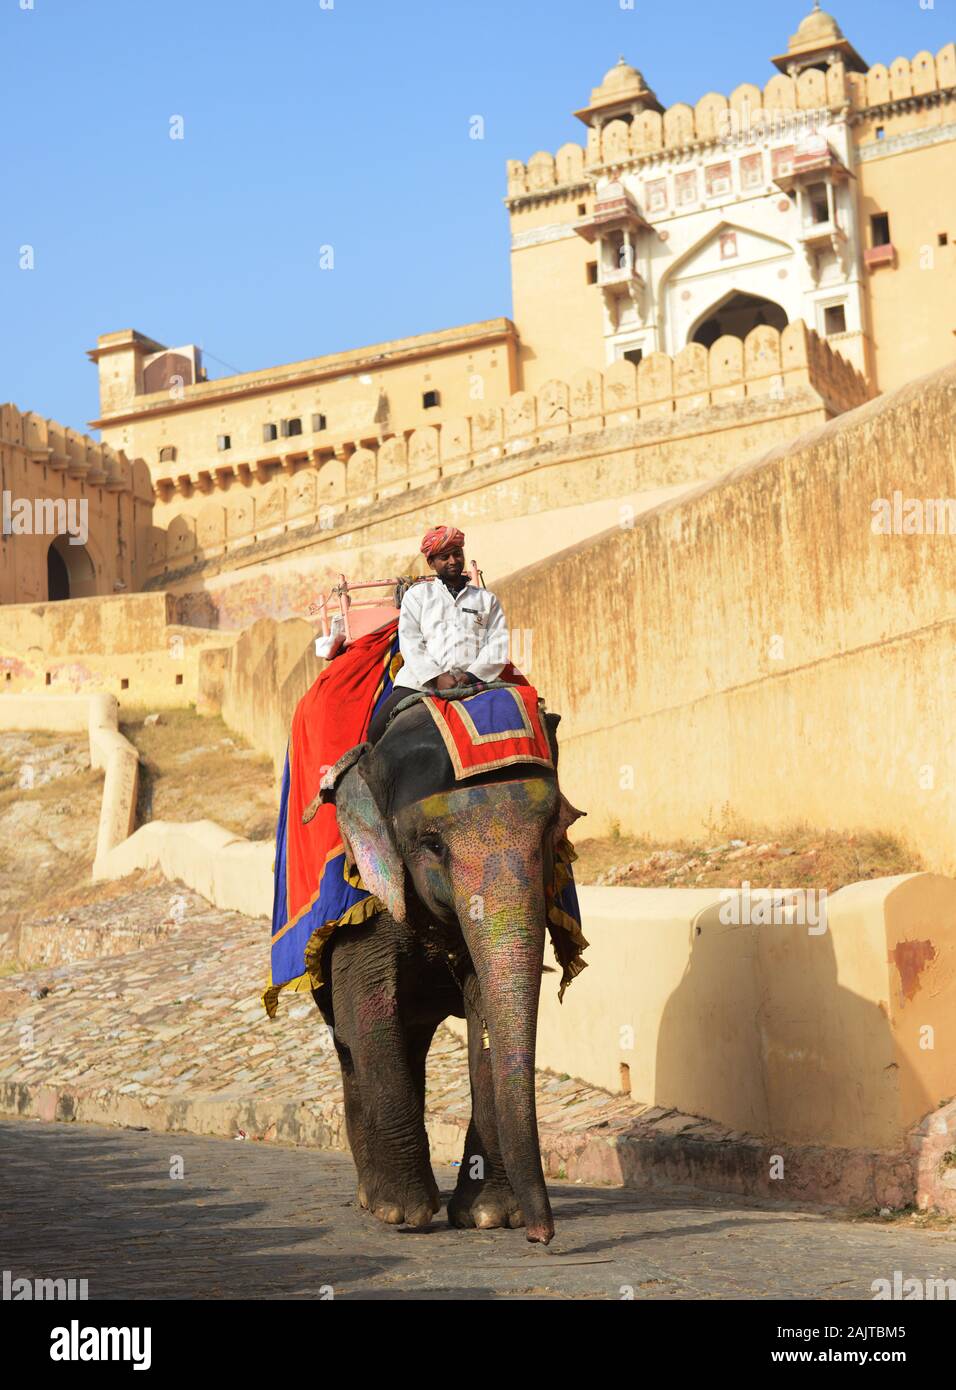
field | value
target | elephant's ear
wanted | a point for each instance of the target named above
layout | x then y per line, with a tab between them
368	839
328	787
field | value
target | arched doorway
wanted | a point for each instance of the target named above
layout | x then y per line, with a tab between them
736	316
70	572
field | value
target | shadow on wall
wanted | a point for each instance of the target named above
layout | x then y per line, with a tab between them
760	1032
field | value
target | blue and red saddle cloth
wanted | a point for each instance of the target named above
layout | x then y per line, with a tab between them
316	892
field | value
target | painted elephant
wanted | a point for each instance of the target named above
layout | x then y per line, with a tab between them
461	870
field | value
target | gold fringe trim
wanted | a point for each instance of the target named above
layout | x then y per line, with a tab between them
357	914
312	979
568	947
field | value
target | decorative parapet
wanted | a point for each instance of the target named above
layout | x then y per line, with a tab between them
769	363
55	446
749	110
904	79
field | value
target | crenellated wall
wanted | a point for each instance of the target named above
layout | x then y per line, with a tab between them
770	366
68	451
717	119
201	430
903	79
62	474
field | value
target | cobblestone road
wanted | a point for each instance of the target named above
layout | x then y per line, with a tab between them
250	1220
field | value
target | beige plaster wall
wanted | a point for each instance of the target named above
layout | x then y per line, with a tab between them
912	302
842	1037
521	482
132	646
755	649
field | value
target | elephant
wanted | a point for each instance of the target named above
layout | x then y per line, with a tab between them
460	870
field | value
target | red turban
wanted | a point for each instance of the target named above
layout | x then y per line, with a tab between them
441	538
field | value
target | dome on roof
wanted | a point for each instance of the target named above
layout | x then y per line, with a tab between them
622	78
818	27
623	86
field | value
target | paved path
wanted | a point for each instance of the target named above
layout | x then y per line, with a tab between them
250	1220
171	1033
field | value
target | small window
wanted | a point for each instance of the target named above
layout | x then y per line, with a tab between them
819	207
124	684
634	355
834	319
8	676
269	432
880	132
430	399
592	275
318	423
582	209
179	678
289	427
223	442
943	239
167	454
49	678
880	229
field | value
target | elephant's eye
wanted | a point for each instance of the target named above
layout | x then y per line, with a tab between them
431	842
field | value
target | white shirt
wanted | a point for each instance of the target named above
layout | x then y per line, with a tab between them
439	630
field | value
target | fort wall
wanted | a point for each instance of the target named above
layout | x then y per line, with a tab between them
760	652
201	432
520	479
133	646
54	470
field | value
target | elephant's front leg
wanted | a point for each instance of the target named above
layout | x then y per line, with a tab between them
383	1102
483	1196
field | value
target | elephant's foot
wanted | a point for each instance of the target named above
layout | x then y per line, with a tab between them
484	1206
414	1205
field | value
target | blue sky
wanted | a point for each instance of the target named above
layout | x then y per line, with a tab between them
308	126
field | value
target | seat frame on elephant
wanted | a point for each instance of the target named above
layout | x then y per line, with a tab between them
364	615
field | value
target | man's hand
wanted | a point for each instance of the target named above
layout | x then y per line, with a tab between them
446	681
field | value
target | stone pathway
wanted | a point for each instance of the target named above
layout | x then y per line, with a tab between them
172	1035
144	1010
260	1221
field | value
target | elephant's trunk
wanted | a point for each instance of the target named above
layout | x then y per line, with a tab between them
505	936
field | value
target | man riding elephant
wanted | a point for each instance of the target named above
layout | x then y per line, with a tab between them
422	882
451	633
